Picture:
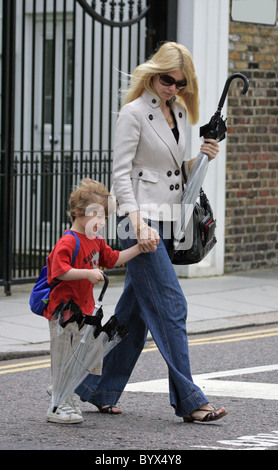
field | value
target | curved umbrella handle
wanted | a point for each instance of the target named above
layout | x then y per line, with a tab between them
226	88
103	290
216	128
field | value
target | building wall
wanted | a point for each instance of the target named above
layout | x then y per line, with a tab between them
251	212
203	27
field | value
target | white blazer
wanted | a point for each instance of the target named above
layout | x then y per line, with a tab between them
147	159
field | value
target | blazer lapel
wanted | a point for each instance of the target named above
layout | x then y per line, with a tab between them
160	126
180	115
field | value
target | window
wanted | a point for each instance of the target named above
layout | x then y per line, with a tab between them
50	78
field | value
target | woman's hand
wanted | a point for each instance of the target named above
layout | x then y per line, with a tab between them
148	239
210	147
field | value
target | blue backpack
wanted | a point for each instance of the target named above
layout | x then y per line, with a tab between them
40	293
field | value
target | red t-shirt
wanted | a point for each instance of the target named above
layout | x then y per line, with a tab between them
92	254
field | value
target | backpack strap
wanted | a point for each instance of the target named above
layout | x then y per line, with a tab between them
77	244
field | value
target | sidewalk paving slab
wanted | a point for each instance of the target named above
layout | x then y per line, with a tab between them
214	303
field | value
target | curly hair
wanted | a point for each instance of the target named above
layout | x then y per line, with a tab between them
87	196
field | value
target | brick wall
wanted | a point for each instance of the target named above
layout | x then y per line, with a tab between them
251	234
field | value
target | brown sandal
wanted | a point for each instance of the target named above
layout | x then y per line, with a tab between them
212	415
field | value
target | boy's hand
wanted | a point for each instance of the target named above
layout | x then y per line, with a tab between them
150	247
148	239
95	276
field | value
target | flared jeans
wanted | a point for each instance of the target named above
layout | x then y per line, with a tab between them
153	300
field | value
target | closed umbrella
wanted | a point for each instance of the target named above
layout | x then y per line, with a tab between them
215	129
88	354
79	344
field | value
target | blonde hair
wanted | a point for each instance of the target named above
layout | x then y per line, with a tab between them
88	195
169	57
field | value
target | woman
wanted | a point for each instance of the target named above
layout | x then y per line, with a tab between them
148	154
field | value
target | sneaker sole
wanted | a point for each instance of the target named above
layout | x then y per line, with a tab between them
52	419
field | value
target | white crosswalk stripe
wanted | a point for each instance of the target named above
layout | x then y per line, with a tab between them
223	388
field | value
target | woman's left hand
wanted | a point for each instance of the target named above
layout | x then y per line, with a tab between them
210	147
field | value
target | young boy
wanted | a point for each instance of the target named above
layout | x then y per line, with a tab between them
90	204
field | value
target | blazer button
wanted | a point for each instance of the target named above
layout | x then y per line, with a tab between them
172	187
141	173
154	101
169	173
180	115
177	172
177	186
150	117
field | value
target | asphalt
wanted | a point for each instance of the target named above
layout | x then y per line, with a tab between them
227	302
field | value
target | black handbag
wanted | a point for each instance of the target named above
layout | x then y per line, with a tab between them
203	233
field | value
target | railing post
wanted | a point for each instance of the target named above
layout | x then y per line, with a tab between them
7	137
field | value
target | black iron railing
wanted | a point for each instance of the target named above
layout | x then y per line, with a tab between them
65	64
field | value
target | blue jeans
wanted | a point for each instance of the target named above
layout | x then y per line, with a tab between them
152	299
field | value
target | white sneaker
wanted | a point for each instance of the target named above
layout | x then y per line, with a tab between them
64	414
72	401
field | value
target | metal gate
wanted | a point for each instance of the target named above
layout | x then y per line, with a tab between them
63	64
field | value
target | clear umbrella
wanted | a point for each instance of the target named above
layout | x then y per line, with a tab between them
66	330
87	355
79	344
215	129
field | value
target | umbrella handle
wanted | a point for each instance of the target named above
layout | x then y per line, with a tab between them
105	285
216	128
226	88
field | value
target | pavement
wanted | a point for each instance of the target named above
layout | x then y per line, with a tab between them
231	301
